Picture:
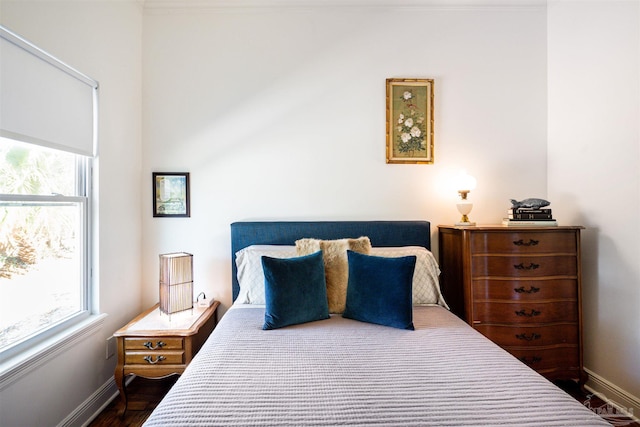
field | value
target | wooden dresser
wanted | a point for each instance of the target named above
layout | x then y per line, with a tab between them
520	287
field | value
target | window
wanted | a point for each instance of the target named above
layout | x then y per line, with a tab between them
43	239
48	128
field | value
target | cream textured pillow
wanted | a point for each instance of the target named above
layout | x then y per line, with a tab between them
336	265
426	285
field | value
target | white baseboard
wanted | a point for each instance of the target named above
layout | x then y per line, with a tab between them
622	400
94	405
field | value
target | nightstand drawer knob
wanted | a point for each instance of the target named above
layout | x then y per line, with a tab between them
533	313
531	290
521	242
531	266
531	337
150	345
149	359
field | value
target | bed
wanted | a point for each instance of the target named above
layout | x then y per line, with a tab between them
341	371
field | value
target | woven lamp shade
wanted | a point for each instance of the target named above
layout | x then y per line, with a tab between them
176	282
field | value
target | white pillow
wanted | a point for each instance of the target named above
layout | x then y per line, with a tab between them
250	273
426	286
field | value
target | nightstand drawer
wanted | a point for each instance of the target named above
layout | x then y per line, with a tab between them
542	359
524	266
154	358
525	290
534	242
528	336
515	313
153	343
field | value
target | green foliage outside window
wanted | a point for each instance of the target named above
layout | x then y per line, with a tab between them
32	231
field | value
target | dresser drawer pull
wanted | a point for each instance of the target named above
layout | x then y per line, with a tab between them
531	290
526	337
531	266
149	359
150	346
521	242
533	313
534	359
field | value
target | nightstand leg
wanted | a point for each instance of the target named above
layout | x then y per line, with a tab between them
119	377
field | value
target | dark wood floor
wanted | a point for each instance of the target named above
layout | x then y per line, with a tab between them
144	396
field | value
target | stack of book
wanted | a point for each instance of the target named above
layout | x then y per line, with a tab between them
529	217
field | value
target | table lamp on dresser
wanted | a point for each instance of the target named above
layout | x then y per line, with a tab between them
465	183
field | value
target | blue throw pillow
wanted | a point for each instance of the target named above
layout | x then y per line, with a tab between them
295	290
380	290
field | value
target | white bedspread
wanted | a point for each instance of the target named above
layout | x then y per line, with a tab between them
343	372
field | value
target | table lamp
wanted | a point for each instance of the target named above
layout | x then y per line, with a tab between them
176	282
465	184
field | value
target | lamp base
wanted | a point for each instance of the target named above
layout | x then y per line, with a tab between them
465	224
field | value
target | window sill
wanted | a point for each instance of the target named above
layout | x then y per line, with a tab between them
15	367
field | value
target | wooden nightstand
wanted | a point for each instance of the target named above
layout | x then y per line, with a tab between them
156	345
521	288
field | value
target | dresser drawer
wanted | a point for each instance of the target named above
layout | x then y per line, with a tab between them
524	242
525	290
527	336
153	343
541	359
523	266
156	358
517	312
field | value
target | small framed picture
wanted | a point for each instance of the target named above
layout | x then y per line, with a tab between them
171	194
410	121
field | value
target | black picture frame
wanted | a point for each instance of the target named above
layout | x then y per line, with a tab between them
171	195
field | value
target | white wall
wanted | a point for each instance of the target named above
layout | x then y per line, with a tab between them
594	158
279	113
103	40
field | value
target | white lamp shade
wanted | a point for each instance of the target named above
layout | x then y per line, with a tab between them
466	182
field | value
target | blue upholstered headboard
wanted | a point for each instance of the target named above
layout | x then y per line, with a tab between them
381	233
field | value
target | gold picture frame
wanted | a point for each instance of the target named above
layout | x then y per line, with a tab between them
410	121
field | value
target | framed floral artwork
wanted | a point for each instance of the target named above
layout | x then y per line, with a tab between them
410	121
171	194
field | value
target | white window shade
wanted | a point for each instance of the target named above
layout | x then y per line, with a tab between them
44	101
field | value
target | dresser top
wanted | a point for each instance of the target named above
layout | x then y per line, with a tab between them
493	227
